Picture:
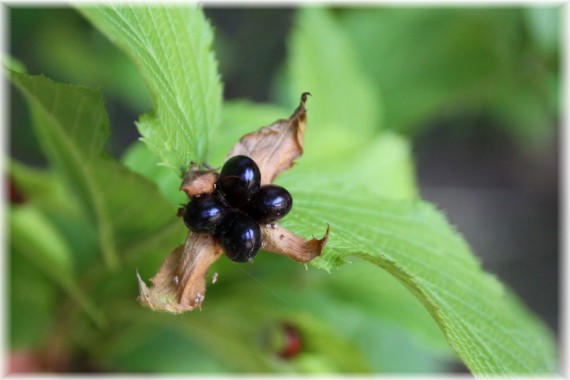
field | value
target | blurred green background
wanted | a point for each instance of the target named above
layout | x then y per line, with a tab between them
475	90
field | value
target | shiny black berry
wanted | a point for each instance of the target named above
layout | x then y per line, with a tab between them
240	236
239	180
204	213
270	204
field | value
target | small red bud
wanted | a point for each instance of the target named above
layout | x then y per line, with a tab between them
293	344
16	197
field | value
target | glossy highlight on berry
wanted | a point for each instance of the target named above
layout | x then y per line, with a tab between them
239	180
204	213
270	204
240	237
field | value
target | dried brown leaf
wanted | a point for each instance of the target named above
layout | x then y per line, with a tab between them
180	284
277	239
197	181
276	146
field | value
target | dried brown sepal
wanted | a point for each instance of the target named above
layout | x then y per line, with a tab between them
276	146
277	239
197	181
180	284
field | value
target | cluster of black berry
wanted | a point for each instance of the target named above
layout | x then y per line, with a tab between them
233	210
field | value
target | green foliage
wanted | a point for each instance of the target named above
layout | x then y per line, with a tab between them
414	297
343	138
43	187
343	115
13	64
413	241
140	160
321	60
383	165
470	60
75	61
33	304
110	195
172	49
35	238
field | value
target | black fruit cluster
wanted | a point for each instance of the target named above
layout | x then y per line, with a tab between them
233	211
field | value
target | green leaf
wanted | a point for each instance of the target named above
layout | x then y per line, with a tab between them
171	46
384	165
451	69
135	350
381	297
522	111
33	236
45	190
491	332
72	126
322	61
140	160
13	64
234	344
33	303
419	72
66	52
37	185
